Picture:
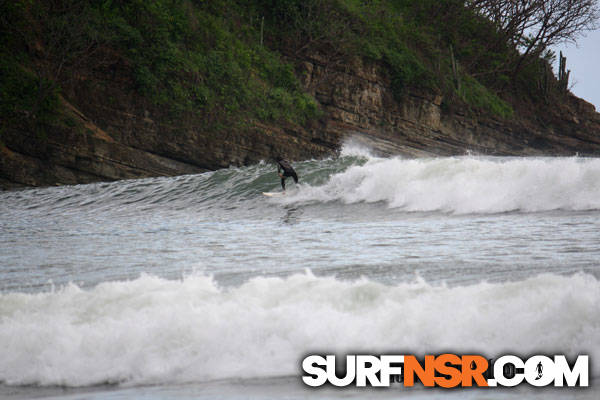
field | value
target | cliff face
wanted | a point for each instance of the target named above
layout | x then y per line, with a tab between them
359	103
113	134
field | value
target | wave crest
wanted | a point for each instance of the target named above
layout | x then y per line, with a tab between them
465	184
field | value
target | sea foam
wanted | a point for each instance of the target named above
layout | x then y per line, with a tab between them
151	330
464	184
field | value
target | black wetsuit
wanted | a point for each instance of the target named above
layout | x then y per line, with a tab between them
287	171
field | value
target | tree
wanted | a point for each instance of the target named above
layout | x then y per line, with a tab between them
532	26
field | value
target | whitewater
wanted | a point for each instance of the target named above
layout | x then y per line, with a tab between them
200	287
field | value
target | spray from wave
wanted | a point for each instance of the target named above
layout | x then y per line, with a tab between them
151	330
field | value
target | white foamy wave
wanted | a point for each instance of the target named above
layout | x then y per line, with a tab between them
465	184
354	148
152	330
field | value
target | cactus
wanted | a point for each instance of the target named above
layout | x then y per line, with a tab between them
563	73
454	69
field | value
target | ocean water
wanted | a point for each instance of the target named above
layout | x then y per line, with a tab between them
200	287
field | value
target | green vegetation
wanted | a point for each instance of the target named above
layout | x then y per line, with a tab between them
190	58
475	94
25	97
226	61
20	96
183	56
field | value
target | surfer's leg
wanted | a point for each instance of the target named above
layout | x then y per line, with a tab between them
295	176
283	182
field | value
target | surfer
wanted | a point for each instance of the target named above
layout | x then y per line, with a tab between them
283	165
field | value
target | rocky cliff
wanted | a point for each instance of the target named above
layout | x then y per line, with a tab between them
359	103
109	133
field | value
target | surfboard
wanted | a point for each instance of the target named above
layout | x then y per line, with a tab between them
273	194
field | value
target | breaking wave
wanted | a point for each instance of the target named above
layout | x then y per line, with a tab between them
151	330
465	184
459	185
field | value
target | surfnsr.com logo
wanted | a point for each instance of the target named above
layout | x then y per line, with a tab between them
445	370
